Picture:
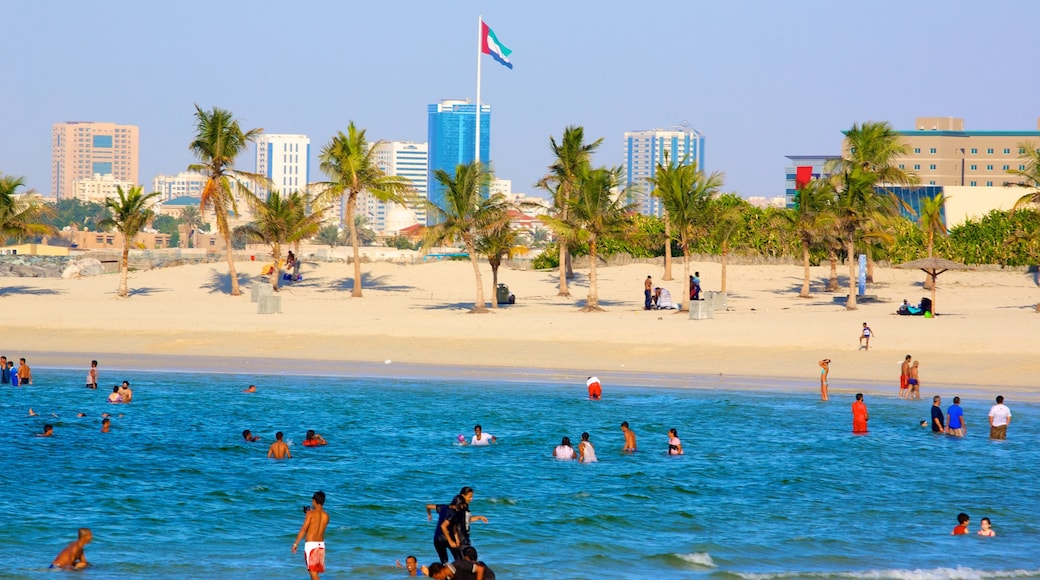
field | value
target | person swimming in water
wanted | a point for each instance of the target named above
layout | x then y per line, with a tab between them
564	450
586	453
674	443
313	439
248	436
73	557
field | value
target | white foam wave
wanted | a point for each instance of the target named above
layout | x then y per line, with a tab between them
958	573
698	558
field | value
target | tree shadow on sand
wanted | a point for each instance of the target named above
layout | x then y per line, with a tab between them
146	291
220	282
27	291
368	283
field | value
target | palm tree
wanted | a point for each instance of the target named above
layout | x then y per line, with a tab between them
21	214
279	220
467	215
596	212
870	162
684	191
330	236
724	217
571	157
350	163
1031	159
813	218
365	234
931	219
496	242
130	214
193	220
219	140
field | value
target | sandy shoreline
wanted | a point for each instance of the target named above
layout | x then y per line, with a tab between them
415	315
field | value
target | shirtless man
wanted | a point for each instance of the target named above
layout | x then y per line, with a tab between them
106	423
630	438
92	375
249	389
315	520
915	382
278	449
126	392
24	373
48	430
72	557
648	289
904	378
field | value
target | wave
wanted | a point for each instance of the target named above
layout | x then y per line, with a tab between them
702	559
958	573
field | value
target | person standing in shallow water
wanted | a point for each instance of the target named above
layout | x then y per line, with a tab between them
630	438
825	370
674	443
92	375
860	415
315	520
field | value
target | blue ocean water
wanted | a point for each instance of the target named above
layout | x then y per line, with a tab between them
773	485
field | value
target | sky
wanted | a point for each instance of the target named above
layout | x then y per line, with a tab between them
761	79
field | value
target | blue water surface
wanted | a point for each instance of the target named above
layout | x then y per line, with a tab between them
773	485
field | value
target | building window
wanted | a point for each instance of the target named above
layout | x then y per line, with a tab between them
989	168
932	150
1021	167
989	151
974	167
901	166
972	183
989	184
932	167
1021	150
1006	167
917	166
932	182
1007	151
917	149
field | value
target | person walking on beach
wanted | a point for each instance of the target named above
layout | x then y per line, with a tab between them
955	424
648	291
278	449
315	520
914	380
73	557
999	419
24	373
937	415
630	438
825	369
92	375
904	378
860	415
586	453
674	443
864	336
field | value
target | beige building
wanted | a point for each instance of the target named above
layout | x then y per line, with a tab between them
942	152
965	203
99	188
82	150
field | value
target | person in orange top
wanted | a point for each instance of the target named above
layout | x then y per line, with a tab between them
860	416
962	525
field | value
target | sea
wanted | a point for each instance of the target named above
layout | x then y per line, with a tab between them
773	483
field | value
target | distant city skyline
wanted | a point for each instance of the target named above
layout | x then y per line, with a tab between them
769	79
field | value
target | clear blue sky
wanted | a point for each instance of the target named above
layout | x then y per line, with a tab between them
761	79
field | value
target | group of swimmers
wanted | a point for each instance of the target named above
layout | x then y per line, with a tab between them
451	535
963	520
12	376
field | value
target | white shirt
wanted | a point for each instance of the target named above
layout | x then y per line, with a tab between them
1000	414
564	452
485	439
590	453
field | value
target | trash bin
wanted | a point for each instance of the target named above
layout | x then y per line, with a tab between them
503	296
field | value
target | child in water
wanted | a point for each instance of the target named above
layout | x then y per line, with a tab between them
986	529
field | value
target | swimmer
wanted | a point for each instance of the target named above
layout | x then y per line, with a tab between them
81	415
278	449
586	453
114	397
674	443
962	525
564	450
313	439
250	389
315	520
481	438
72	557
825	369
630	438
126	392
48	430
462	440
31	412
595	389
986	529
105	424
248	436
412	565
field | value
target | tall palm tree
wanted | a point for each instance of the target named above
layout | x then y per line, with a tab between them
130	214
280	220
572	157
596	212
1031	174
685	191
813	218
869	162
467	215
931	219
192	218
21	213
219	140
723	219
350	163
495	243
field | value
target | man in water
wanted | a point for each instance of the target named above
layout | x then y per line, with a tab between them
914	381
595	389
92	375
5	375
24	373
315	520
106	423
955	419
278	449
248	436
481	438
937	415
630	438
865	336
48	430
249	389
860	416
468	568
126	392
904	378
411	564
999	419
72	557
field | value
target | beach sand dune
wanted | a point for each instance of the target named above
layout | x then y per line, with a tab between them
418	315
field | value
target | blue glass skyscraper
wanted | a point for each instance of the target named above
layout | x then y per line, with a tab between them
451	137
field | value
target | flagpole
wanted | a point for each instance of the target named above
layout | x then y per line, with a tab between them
480	49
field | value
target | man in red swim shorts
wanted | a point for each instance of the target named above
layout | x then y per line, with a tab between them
313	531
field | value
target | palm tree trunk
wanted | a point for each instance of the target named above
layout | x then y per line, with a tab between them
494	285
850	248
124	268
725	259
805	262
686	279
870	265
933	295
832	281
480	306
563	269
667	249
225	230
928	279
351	207
592	302
276	271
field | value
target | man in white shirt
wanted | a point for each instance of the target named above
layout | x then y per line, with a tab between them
481	438
999	417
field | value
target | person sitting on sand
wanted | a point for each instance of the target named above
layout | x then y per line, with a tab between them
411	564
248	436
313	439
48	430
106	423
564	450
278	449
73	557
114	397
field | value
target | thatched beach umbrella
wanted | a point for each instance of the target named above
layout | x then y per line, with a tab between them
933	267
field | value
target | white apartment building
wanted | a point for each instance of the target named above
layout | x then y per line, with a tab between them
284	160
98	188
404	159
184	184
644	150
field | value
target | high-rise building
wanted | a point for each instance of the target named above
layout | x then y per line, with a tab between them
452	140
285	161
184	184
644	150
805	168
83	150
403	159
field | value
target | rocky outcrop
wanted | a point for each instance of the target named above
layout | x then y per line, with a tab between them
83	267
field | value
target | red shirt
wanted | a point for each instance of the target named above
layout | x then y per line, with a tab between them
960	530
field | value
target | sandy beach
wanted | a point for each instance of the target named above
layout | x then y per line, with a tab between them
417	317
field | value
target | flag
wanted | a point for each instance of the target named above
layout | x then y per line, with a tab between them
489	44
